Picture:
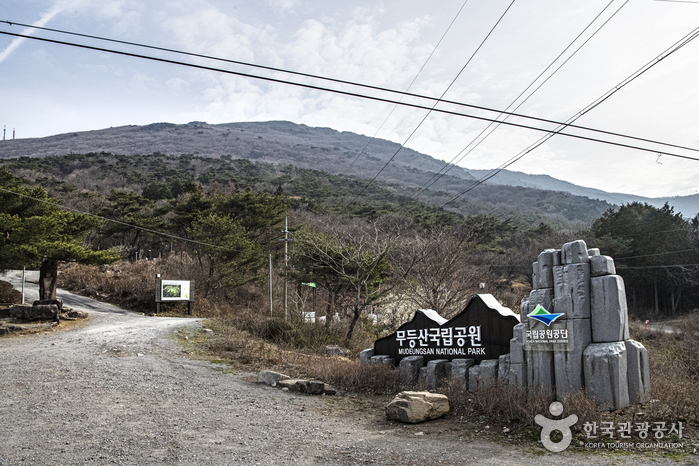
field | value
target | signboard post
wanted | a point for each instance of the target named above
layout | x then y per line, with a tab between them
173	290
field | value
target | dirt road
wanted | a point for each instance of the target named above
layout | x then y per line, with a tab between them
120	391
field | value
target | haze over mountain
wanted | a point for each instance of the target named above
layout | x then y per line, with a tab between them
324	149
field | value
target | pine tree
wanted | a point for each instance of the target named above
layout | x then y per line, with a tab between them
36	231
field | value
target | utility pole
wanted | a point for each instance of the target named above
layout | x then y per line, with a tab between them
286	264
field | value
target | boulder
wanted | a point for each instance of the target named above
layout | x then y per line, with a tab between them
517	344
271	378
310	387
592	252
637	371
540	372
431	375
17	311
602	265
414	407
545	266
79	314
542	296
504	369
334	350
329	390
524	310
568	365
574	252
410	370
609	314
457	371
572	290
366	355
57	302
517	375
483	375
605	368
38	312
383	359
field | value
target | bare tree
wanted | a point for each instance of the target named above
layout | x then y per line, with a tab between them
350	258
434	270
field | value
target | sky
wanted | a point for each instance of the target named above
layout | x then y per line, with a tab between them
493	50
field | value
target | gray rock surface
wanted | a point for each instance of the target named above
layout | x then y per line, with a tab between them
524	310
545	264
366	355
57	302
542	296
410	370
334	350
609	312
433	373
414	407
540	372
517	376
572	290
605	368
382	359
483	375
504	369
593	252
568	365
37	312
270	378
638	372
517	344
602	265
457	371
574	252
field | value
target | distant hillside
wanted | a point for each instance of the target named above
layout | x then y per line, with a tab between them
687	205
323	149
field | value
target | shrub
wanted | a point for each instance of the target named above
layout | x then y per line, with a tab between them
8	295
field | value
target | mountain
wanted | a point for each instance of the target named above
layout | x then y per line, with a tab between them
687	205
343	153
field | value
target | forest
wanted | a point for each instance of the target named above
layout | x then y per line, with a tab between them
369	252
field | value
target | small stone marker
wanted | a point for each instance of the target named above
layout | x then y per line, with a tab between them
414	407
271	378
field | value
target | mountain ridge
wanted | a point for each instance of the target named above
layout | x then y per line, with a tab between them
319	148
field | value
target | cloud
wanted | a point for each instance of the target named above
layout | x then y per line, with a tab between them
45	18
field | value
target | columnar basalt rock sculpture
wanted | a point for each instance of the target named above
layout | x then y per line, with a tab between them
572	335
580	338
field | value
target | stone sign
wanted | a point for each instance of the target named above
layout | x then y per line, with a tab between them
481	331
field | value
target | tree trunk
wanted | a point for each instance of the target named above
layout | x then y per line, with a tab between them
48	276
329	308
655	290
356	316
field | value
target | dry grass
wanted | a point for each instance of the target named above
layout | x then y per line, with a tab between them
8	295
674	369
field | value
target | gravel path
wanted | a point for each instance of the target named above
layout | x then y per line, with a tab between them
120	391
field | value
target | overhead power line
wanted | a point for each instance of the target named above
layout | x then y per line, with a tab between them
493	126
433	107
669	51
410	85
364	96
